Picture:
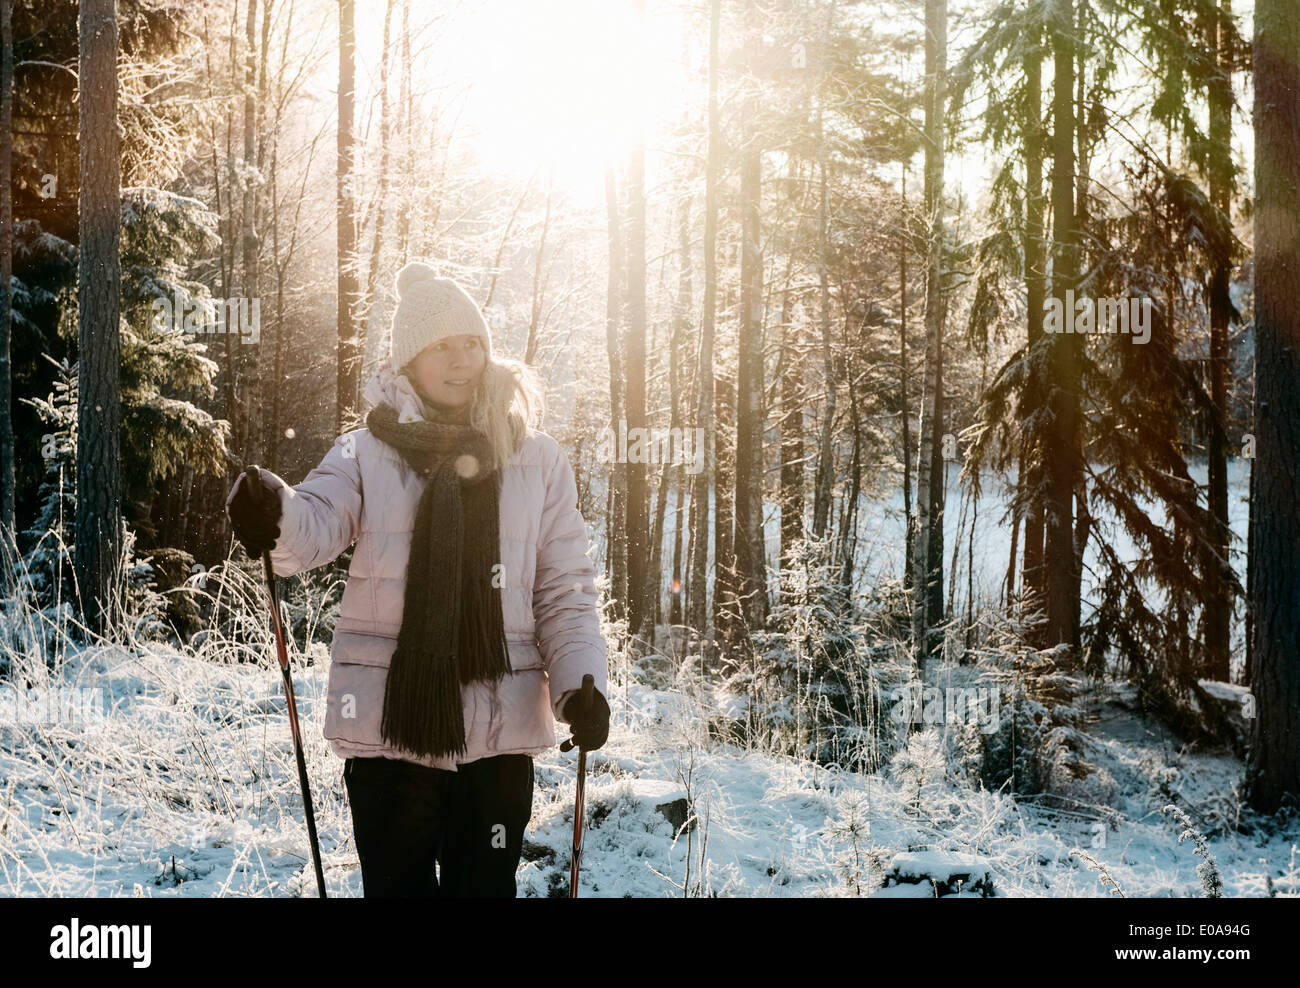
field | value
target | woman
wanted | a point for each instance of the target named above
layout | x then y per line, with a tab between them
469	616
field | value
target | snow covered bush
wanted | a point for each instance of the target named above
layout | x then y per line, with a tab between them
1039	746
812	681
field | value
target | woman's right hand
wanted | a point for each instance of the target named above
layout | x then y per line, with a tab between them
254	513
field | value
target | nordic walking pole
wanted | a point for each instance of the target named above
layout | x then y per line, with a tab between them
255	491
585	700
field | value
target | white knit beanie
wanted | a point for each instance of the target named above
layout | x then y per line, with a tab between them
429	308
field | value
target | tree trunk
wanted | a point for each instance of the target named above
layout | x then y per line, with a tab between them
849	530
676	339
638	503
1218	608
277	355
927	608
792	452
230	245
248	356
725	605
385	142
349	351
1082	262
1274	771
699	606
654	602
406	97
539	281
8	524
824	483
1248	669
677	372
751	564
617	516
1062	454
98	538
229	410
909	526
677	591
1031	452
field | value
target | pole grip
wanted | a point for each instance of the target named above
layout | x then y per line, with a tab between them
585	699
253	478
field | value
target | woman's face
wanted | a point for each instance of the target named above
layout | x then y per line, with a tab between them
448	370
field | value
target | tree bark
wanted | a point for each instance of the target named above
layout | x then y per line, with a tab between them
751	564
677	373
539	281
927	608
98	537
849	529
699	604
676	340
385	165
824	484
1062	453
1031	451
638	502
909	525
349	350
725	605
254	448
8	523
1248	669
792	451
1218	608
1274	771
406	97
616	539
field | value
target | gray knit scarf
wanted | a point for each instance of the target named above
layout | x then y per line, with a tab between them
452	631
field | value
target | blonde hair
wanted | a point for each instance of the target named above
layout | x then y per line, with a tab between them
508	405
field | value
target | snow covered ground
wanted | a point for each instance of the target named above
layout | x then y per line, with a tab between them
187	787
185	784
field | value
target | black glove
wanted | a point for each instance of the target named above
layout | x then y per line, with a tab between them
255	514
590	729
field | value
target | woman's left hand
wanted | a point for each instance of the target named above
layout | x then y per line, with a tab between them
590	728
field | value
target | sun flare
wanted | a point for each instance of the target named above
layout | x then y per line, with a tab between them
563	86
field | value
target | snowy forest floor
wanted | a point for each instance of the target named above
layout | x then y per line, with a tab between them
187	787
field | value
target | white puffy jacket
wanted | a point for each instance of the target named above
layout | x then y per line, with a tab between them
364	492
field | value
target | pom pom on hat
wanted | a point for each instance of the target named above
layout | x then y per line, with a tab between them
413	273
428	309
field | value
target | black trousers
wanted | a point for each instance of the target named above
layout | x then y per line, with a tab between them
470	822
